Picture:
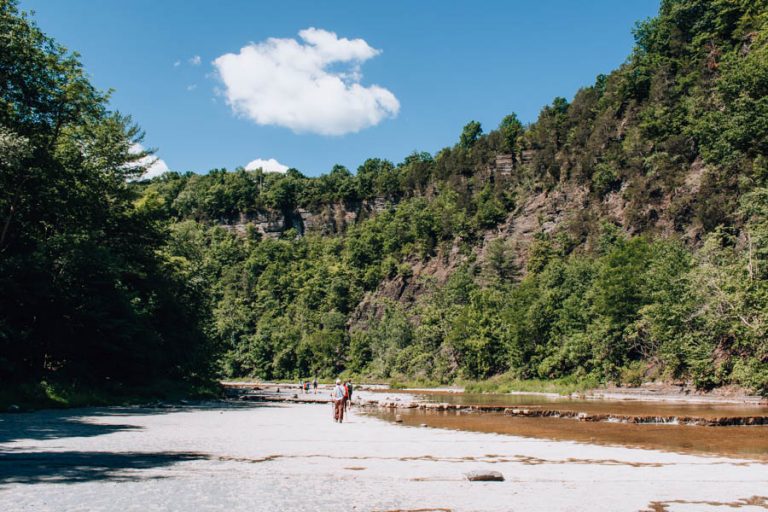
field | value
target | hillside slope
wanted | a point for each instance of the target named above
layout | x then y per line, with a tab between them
623	236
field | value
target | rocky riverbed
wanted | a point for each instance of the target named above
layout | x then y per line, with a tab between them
717	427
255	456
592	410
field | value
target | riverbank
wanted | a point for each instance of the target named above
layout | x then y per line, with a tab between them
590	408
31	396
651	392
266	456
570	386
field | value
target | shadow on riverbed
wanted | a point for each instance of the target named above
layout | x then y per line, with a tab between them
75	467
57	424
55	428
170	407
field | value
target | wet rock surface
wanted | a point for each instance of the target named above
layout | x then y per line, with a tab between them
484	476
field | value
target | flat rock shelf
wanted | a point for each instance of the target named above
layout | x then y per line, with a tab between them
554	410
266	456
731	429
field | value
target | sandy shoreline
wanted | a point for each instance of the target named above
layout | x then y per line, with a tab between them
223	456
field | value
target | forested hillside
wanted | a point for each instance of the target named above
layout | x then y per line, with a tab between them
622	237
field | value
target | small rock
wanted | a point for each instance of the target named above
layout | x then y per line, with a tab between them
484	476
13	408
423	425
295	396
398	418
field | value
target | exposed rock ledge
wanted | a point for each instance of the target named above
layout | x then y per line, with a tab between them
291	394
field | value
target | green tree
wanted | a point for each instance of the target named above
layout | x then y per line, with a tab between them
512	131
469	134
88	297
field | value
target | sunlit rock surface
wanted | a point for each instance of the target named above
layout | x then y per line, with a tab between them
266	456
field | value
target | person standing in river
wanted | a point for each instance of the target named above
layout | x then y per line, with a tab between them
338	401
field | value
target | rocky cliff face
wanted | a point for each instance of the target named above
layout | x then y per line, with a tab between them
325	220
569	208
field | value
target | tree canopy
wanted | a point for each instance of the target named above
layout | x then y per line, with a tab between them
626	238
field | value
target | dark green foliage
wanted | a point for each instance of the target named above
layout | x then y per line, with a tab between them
511	130
500	260
489	210
469	134
657	269
672	142
88	298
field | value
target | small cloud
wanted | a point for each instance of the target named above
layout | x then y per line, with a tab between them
308	85
270	165
195	61
154	166
192	87
177	64
157	168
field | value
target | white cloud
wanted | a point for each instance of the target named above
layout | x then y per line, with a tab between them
155	166
289	83
192	87
195	61
270	165
177	64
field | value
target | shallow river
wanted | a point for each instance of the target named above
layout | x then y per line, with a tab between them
741	441
623	407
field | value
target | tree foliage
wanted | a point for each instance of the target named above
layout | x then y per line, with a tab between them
443	272
88	295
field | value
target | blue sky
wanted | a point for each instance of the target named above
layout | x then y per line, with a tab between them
437	65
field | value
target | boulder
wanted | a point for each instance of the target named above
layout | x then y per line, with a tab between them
484	476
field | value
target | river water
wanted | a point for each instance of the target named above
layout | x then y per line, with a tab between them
593	406
739	441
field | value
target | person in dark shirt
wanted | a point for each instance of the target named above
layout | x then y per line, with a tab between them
348	386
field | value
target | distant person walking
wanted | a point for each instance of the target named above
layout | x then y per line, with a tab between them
314	385
338	401
349	392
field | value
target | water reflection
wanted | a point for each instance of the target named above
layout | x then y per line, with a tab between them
618	407
746	442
